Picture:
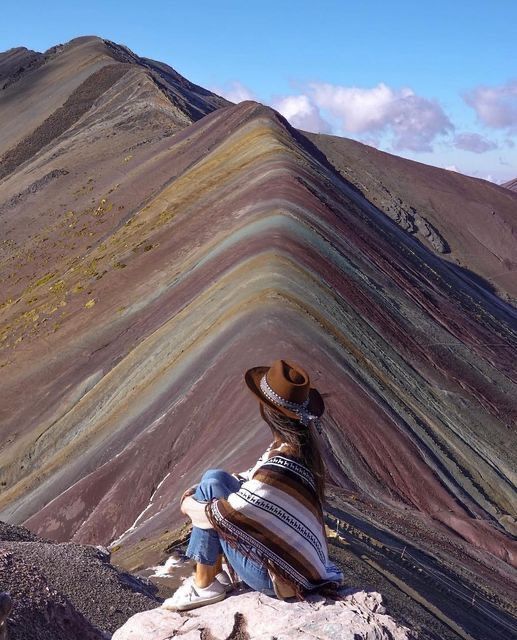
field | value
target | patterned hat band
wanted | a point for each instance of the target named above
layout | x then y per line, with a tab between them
300	408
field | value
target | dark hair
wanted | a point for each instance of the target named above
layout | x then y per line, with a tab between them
302	440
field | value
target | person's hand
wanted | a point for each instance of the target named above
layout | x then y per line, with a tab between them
196	511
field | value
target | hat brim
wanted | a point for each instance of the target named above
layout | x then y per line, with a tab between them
253	377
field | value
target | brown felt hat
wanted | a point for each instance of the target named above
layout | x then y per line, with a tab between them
286	387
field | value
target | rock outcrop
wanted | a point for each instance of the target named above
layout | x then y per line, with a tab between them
14	62
254	616
63	591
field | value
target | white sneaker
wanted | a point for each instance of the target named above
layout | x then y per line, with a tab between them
190	596
224	579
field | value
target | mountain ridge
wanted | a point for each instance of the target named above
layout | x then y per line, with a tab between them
148	218
57	68
511	184
167	256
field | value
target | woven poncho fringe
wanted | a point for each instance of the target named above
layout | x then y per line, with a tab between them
276	519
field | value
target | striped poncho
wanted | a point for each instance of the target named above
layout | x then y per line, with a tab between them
277	519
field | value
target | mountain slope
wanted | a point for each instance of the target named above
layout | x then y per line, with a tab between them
14	62
73	127
31	96
255	247
471	222
136	293
511	184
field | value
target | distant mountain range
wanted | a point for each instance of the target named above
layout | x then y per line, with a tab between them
511	184
156	241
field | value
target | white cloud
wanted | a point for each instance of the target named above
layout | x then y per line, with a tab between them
302	113
495	106
478	173
417	122
473	142
234	91
413	121
359	110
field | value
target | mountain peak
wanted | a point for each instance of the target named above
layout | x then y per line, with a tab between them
158	241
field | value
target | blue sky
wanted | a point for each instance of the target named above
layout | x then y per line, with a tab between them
434	81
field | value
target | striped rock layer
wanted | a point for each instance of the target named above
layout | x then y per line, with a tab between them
144	272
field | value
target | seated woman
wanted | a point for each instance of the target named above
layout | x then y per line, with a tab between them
268	521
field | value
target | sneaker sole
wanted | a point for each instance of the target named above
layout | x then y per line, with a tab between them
198	603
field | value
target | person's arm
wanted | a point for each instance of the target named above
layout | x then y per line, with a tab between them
196	510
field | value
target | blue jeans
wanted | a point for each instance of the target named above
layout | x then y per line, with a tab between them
205	545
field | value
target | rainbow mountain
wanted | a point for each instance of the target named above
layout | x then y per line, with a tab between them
157	241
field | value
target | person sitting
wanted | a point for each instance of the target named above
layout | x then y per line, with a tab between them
267	521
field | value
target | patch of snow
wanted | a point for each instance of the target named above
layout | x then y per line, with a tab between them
142	513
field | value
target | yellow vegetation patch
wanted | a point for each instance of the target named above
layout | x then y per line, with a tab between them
43	280
104	207
57	287
91	267
90	303
8	302
31	315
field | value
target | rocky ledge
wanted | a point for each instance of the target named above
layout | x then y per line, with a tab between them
63	591
254	616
